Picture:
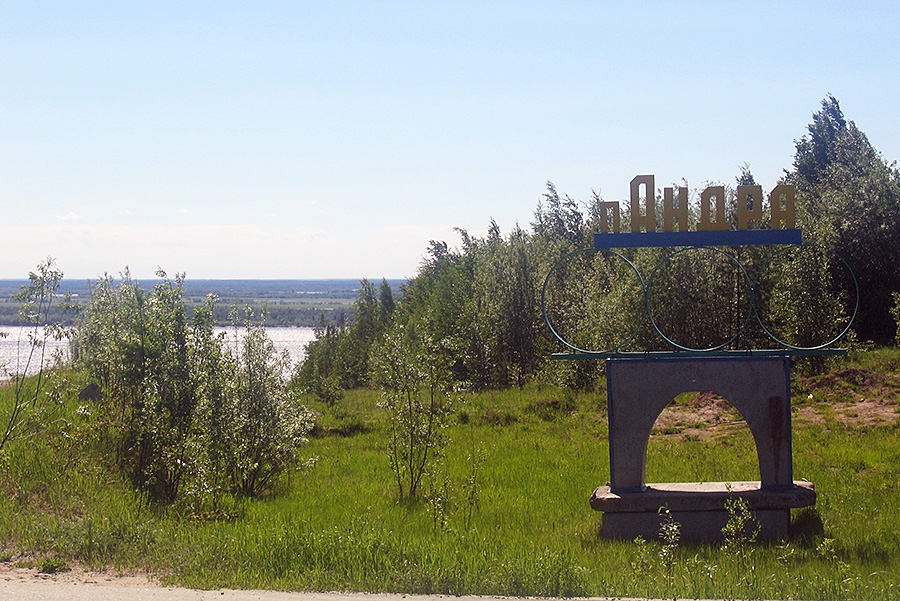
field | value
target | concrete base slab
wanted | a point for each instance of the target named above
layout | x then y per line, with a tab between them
696	526
699	508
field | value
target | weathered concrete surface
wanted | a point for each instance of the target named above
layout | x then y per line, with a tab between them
696	526
699	508
703	496
639	389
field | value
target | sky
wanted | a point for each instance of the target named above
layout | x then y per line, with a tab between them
299	140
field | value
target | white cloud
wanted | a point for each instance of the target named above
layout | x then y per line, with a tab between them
70	216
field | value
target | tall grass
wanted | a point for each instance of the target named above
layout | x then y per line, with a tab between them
513	518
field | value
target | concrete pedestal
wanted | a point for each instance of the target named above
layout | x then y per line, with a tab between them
699	508
640	388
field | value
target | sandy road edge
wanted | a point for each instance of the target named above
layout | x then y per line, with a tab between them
84	585
49	590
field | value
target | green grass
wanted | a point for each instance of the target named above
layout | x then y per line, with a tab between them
541	452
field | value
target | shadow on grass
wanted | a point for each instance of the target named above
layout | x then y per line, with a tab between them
807	529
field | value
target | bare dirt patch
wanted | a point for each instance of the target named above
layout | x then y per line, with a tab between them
851	397
700	416
27	569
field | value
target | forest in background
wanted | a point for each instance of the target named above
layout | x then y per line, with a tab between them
476	312
284	302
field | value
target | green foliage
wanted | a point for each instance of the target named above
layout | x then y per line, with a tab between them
506	308
699	298
417	403
35	399
670	535
799	299
188	419
320	371
269	424
52	565
848	200
138	346
740	535
338	358
895	313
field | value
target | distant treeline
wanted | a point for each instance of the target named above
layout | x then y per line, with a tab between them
283	302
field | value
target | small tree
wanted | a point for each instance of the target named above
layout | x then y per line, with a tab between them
270	425
31	406
848	200
321	369
417	401
184	413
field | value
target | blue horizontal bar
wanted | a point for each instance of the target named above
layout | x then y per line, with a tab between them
823	352
704	238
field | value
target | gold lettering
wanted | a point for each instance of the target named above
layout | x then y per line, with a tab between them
675	212
749	205
676	209
706	222
648	219
785	213
609	211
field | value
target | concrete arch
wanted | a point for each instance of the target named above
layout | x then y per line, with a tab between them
639	389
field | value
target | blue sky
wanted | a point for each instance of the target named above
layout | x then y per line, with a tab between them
334	139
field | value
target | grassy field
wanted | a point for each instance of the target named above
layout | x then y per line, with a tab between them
507	512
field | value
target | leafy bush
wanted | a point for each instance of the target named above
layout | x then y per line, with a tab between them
417	402
269	424
189	419
34	402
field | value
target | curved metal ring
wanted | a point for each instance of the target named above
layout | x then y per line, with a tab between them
852	317
649	312
565	258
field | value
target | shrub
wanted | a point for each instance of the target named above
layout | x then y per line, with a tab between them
34	403
269	424
188	419
417	402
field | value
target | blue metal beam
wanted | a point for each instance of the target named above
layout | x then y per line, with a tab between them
704	238
785	352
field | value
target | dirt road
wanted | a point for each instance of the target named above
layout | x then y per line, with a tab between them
80	585
49	590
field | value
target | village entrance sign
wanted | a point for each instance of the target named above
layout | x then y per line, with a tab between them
640	384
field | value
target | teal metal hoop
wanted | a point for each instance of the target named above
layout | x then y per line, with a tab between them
849	322
565	258
649	311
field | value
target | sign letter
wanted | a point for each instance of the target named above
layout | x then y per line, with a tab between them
609	211
648	219
675	212
706	223
782	213
749	205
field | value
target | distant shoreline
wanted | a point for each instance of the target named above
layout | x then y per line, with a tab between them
299	303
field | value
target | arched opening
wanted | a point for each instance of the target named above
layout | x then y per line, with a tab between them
700	436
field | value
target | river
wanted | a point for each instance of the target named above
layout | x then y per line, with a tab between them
15	348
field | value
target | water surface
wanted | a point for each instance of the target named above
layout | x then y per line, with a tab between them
16	347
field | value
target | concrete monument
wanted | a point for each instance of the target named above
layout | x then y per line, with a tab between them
641	384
